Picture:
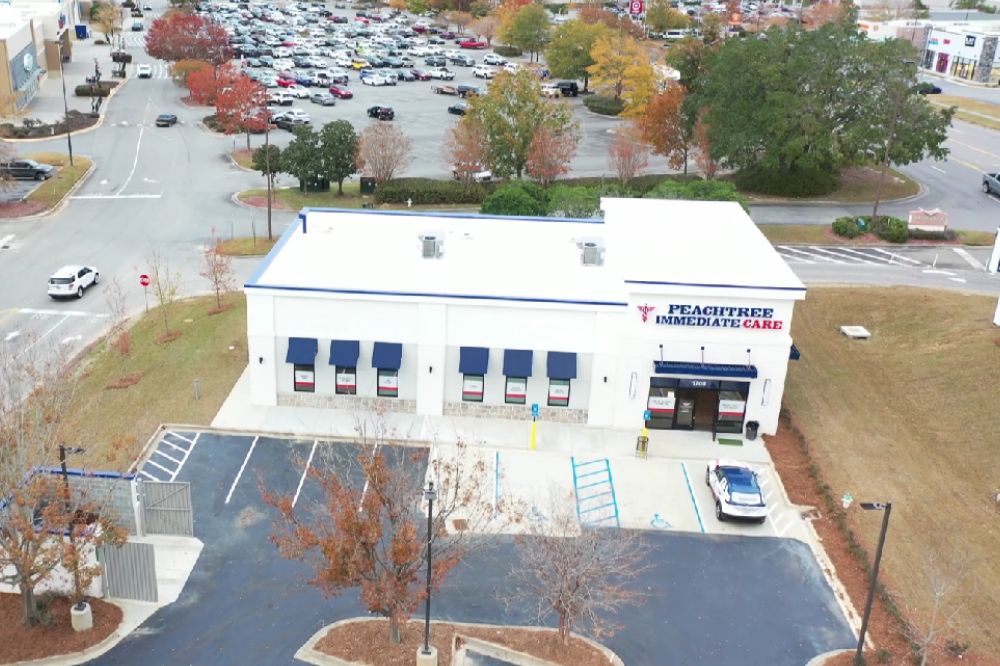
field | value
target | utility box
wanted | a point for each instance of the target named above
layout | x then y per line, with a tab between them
367	185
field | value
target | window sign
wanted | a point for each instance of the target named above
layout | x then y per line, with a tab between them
304	378
388	383
516	391
472	388
730	407
347	381
662	406
558	392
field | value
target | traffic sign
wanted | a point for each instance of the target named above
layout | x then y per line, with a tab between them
635	6
144	280
535	411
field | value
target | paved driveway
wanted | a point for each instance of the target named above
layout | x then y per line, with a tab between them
714	598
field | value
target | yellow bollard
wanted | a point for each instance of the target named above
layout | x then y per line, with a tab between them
534	432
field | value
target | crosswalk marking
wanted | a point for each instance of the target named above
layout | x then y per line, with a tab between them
897	257
839	254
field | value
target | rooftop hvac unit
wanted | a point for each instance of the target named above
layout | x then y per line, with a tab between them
593	254
431	246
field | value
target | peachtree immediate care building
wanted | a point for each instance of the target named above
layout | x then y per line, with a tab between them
679	311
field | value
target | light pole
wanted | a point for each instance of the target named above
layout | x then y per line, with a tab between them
63	452
886	509
62	75
430	495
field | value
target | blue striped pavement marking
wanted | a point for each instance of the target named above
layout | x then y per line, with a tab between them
694	502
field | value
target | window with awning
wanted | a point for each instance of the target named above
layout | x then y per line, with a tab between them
517	368
386	358
302	355
473	363
561	369
344	357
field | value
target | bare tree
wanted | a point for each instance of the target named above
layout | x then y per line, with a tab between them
217	268
165	284
369	532
383	150
945	577
628	154
119	336
6	155
582	576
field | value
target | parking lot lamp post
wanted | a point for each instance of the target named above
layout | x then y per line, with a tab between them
62	75
63	452
886	509
430	495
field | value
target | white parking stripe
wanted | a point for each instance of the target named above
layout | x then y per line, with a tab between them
867	255
240	473
840	255
180	436
969	259
170	458
150	476
187	454
897	257
156	464
810	254
304	473
173	446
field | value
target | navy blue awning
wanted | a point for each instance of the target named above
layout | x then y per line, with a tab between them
794	354
387	355
301	351
473	360
344	353
705	369
517	362
561	365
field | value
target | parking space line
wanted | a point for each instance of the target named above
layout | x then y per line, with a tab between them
840	255
364	491
180	436
305	472
173	446
697	511
187	454
242	467
895	256
810	254
155	464
148	475
175	460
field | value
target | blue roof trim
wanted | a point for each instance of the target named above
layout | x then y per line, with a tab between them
265	263
473	360
71	471
704	369
420	294
464	216
715	286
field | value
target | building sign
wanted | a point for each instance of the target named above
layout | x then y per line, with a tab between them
305	378
662	405
970	40
347	381
559	392
731	407
635	7
388	384
517	390
472	388
714	316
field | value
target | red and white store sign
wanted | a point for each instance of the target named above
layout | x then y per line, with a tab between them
347	381
661	405
472	388
635	6
732	407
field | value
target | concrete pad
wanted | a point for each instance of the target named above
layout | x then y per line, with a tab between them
652	494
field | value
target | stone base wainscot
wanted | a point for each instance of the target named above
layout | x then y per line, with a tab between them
514	412
350	403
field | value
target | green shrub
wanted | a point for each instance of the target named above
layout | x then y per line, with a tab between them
507	51
847	227
920	234
574	201
638	186
697	190
87	90
431	191
606	106
890	229
798	183
517	198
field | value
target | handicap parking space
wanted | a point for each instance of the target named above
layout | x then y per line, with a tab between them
168	456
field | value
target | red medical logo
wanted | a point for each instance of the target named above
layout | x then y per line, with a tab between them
644	310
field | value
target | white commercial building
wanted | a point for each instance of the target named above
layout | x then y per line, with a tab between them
676	312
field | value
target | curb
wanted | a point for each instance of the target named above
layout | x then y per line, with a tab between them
821	659
309	654
785	202
236	164
85	130
59	205
82	656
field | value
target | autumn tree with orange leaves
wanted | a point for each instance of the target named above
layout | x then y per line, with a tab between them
466	150
665	127
628	153
550	153
370	531
240	103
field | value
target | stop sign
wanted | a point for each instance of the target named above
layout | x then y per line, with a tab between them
144	280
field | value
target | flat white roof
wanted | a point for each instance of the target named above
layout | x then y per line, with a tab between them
649	245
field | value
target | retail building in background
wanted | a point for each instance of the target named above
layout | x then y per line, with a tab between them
34	34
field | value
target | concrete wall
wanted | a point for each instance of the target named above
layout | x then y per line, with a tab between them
115	496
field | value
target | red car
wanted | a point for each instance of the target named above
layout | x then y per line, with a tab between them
420	74
284	83
419	29
341	92
473	44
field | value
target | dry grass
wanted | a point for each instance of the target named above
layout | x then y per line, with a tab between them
911	417
248	246
51	191
978	237
811	234
243	158
977	112
112	423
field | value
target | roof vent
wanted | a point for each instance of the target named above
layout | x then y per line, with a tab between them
591	252
431	246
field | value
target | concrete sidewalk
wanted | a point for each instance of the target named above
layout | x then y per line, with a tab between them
237	413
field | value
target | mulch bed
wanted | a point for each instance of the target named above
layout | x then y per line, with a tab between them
261	202
167	338
21	208
367	642
130	379
18	642
891	645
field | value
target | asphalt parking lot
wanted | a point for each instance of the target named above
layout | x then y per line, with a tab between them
713	598
17	190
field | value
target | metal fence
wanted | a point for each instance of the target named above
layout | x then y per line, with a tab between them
166	508
130	571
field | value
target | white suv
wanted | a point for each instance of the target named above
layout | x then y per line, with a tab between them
484	72
144	71
494	59
70	281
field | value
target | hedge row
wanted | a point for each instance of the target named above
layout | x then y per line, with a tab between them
886	227
507	51
606	106
431	191
640	185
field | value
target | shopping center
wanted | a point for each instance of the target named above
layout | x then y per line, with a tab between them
676	313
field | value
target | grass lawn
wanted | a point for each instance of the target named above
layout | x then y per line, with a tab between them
292	199
857	185
910	416
243	157
822	234
248	246
51	191
977	112
977	237
113	423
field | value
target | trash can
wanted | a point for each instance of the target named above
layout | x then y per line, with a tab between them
641	446
367	185
752	427
82	32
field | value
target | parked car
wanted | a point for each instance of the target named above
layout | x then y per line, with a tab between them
458	109
27	169
421	74
477	177
484	72
70	281
472	44
323	98
342	92
144	71
444	90
288	123
441	73
462	60
736	490
298	91
926	88
373	79
436	61
465	90
284	83
137	26
406	75
381	112
166	120
494	59
991	183
568	88
551	90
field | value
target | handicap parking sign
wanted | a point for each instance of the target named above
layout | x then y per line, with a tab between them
535	410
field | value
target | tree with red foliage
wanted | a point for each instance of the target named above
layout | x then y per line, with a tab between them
665	127
592	13
465	149
703	147
177	36
550	153
628	154
201	86
240	104
369	531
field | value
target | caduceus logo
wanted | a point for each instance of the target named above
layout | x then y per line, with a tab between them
644	310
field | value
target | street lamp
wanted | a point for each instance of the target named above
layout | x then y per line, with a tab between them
886	509
430	495
62	75
63	452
